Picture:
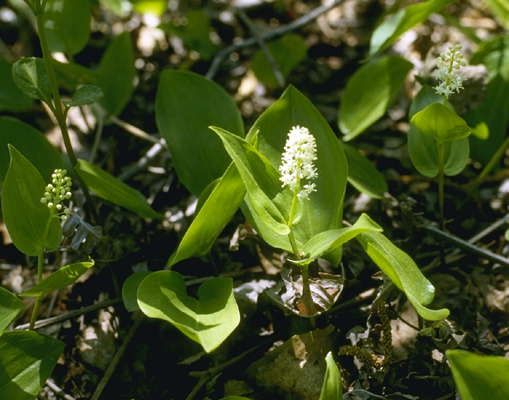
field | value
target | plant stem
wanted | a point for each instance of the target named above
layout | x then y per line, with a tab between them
495	159
37	305
440	182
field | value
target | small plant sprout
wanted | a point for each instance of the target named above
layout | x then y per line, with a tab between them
56	192
449	73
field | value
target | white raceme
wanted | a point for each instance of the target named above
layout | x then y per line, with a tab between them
449	73
297	167
56	192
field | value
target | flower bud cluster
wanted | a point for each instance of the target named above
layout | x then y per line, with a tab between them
449	72
56	192
297	168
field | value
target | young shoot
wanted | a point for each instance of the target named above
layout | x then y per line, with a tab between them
56	192
449	72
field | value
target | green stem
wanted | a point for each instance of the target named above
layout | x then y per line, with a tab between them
495	159
441	183
37	305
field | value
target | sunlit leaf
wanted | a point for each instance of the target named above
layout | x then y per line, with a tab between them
10	306
130	290
332	388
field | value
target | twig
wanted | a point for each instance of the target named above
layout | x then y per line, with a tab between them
468	246
294	25
97	139
203	380
42	323
58	391
270	58
151	153
116	359
485	232
134	130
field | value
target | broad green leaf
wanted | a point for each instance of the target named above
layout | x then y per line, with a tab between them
27	360
30	76
10	306
332	388
363	175
109	188
60	279
31	226
11	97
116	74
186	105
327	241
67	25
130	289
369	93
155	7
479	377
403	272
441	123
208	319
324	208
500	9
423	148
212	217
287	52
31	143
86	94
194	31
394	25
494	108
71	75
261	184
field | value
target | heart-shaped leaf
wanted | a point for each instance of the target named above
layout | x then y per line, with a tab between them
332	388
27	360
208	319
109	188
479	377
403	272
363	175
186	105
369	93
60	279
10	306
31	76
31	143
30	224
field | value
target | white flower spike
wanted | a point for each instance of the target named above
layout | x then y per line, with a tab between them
449	72
297	167
57	191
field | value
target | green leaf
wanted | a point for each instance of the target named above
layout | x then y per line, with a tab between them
403	272
116	74
67	25
327	241
71	75
208	319
479	377
441	123
369	93
10	306
324	208
30	76
396	24
60	279
186	105
31	226
212	217
423	148
130	289
11	97
86	94
109	188
155	7
363	175
500	9
27	360
31	143
287	52
332	388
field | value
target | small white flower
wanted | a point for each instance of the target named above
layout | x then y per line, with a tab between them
297	163
449	72
57	191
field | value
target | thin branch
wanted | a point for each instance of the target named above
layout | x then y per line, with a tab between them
151	153
42	323
58	391
294	25
134	130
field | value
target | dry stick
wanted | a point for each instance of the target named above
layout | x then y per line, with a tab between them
272	61
116	359
299	22
58	391
134	130
70	315
151	153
